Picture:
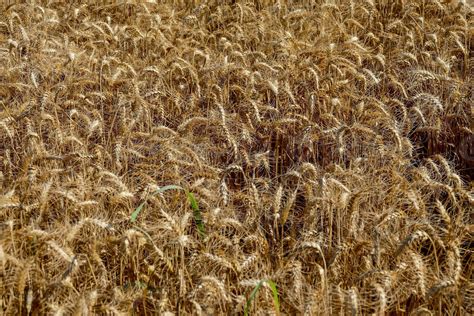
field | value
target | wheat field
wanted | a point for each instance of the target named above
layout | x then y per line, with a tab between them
309	157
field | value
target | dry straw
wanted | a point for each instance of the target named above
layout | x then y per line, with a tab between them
323	144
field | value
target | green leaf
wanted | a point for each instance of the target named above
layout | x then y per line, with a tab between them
167	188
137	211
252	296
192	201
276	300
196	214
273	287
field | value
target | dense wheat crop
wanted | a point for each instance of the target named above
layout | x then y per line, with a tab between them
324	149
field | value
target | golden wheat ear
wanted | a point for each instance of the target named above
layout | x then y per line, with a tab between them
324	146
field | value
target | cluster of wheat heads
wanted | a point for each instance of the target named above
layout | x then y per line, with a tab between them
320	139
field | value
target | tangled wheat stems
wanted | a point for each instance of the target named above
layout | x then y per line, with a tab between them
325	142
